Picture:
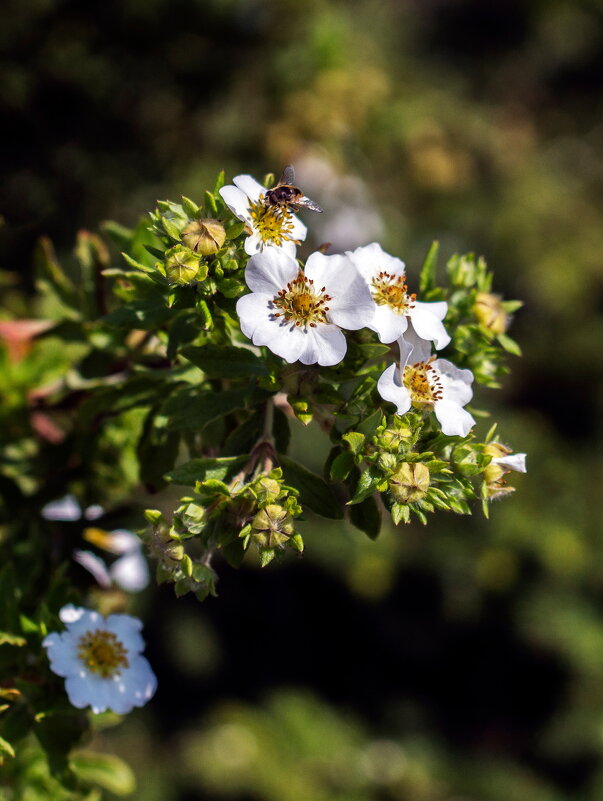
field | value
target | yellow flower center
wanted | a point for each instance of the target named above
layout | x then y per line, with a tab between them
423	384
102	653
273	223
391	290
300	303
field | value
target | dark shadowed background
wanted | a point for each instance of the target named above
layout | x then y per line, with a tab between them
458	662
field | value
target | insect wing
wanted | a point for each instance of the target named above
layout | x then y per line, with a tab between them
287	176
306	203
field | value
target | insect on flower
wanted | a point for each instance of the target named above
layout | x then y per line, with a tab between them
286	195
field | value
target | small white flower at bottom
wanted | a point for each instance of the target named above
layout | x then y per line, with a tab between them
298	314
100	659
429	384
268	226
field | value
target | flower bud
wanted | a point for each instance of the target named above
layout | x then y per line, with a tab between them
503	461
205	237
489	313
267	490
181	266
272	526
410	482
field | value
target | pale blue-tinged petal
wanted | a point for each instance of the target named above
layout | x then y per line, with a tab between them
131	572
420	349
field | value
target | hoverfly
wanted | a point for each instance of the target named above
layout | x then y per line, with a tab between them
286	195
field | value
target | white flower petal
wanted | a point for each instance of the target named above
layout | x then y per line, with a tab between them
62	654
456	383
82	692
270	271
455	421
514	461
420	349
123	541
65	509
127	630
70	613
325	345
237	202
131	572
256	314
439	308
94	565
352	305
428	326
250	186
299	231
391	389
133	687
372	259
388	325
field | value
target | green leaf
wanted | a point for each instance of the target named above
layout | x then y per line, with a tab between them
139	315
235	230
105	770
367	484
373	350
136	264
6	748
12	639
225	362
369	425
190	207
428	270
118	234
191	408
314	492
52	278
355	440
341	466
367	517
509	344
204	469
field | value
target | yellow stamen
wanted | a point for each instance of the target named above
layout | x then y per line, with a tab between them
423	384
391	290
102	653
273	223
300	303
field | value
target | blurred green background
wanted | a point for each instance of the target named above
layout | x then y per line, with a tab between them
458	662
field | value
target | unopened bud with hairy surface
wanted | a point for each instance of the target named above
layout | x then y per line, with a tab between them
205	236
410	482
490	313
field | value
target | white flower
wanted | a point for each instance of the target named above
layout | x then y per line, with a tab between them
297	313
130	571
394	306
101	661
272	226
67	510
429	384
